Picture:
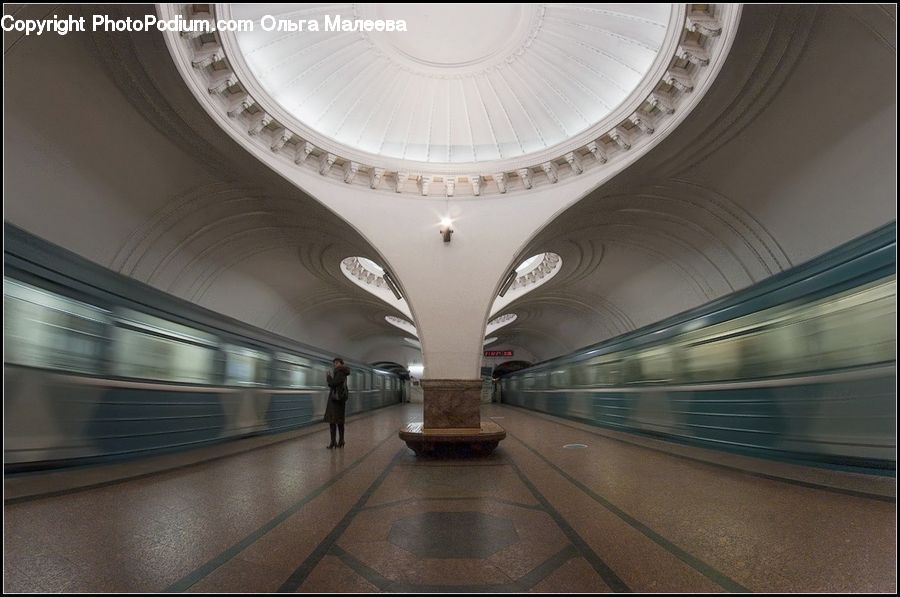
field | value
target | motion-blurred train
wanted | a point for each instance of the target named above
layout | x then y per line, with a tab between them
98	367
800	367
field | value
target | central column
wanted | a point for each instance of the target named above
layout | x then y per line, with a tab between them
452	403
452	425
449	286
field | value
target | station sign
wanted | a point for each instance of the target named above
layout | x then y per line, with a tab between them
498	353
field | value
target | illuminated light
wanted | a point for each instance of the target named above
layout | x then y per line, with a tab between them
416	369
446	230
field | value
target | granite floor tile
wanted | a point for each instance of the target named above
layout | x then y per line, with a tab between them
620	510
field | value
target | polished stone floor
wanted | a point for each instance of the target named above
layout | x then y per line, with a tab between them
559	507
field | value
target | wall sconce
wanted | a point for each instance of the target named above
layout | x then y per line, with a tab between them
507	282
446	231
389	280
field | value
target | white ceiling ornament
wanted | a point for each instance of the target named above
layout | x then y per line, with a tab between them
370	276
404	325
480	101
531	273
498	322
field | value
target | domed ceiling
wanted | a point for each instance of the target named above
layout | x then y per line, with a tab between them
464	83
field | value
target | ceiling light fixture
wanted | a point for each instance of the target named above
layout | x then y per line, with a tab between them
446	231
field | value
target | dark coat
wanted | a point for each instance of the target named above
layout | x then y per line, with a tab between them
338	395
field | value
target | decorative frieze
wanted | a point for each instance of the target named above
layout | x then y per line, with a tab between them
661	102
550	170
476	185
500	179
679	79
402	175
642	122
350	170
303	151
241	107
279	138
207	59
326	162
449	185
525	176
222	83
425	184
694	53
259	124
375	176
596	149
574	162
621	137
704	24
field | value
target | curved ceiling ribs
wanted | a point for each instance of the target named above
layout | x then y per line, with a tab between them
711	243
207	233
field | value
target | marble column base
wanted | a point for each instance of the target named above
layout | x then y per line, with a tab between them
453	443
452	403
453	425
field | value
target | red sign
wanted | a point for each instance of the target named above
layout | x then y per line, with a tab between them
498	353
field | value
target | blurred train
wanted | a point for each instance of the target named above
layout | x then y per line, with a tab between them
99	367
799	367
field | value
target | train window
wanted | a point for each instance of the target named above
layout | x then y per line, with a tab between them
560	378
148	347
714	360
245	366
43	329
852	329
319	371
290	371
604	371
855	329
657	365
632	369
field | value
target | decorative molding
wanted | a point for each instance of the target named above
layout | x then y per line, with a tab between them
539	274
373	281
499	322
551	171
350	170
375	177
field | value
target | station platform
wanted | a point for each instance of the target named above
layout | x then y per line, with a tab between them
558	507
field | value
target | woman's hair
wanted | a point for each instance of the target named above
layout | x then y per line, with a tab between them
337	360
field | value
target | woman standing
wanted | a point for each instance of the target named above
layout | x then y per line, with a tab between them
337	400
